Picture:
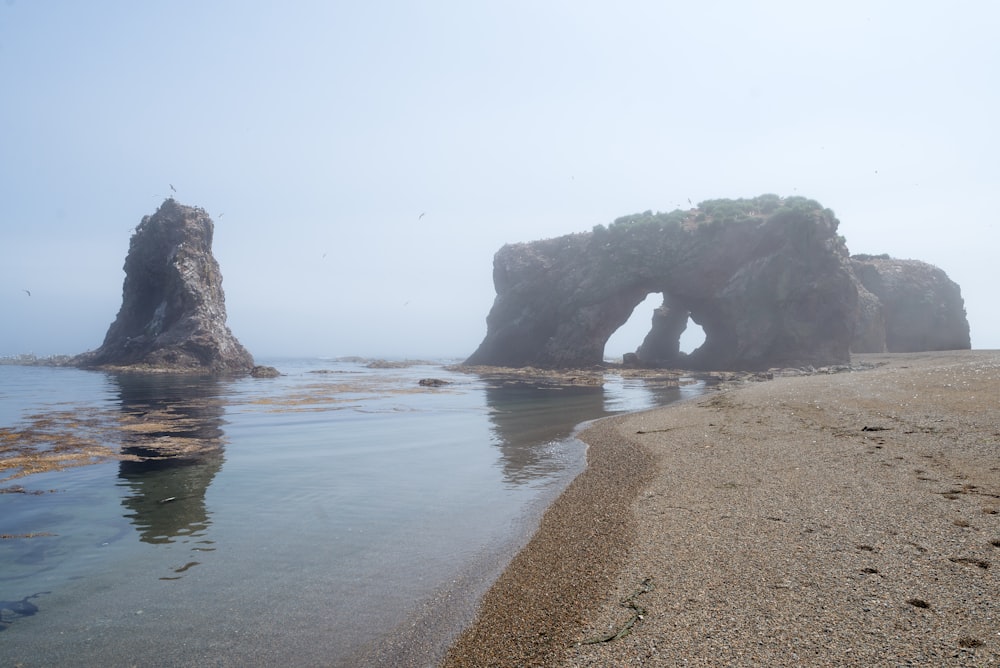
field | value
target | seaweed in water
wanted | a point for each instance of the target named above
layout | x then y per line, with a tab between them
21	608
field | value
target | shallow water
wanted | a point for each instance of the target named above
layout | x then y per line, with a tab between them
303	520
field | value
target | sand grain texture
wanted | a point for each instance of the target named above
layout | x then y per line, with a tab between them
823	520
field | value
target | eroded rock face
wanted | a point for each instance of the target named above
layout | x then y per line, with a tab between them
768	280
173	313
869	329
923	308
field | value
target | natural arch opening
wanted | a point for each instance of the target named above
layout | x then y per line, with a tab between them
627	338
692	338
659	329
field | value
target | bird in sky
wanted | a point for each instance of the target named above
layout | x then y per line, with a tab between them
421	215
172	187
27	291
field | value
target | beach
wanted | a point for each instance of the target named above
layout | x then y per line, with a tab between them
848	518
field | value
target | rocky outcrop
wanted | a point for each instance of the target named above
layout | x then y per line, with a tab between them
922	308
264	372
173	313
768	279
869	328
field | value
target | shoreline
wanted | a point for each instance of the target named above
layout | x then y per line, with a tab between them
844	519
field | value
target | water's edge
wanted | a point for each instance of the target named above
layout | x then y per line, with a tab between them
428	634
424	638
274	572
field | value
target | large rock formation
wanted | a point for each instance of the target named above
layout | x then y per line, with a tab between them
173	313
922	308
768	280
869	328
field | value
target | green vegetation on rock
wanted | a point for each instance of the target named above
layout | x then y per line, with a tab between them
723	211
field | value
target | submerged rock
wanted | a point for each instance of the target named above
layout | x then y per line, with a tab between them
173	313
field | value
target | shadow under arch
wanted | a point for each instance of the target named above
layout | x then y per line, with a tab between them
173	441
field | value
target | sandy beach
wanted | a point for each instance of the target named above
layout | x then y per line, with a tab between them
822	520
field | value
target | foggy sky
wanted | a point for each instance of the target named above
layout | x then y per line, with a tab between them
315	134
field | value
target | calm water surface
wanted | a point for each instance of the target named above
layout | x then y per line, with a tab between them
305	519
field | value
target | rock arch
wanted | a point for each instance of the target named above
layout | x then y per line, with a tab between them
768	280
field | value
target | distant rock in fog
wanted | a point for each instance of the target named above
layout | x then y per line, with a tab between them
769	280
173	313
922	308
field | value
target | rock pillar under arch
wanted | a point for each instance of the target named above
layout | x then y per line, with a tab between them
662	345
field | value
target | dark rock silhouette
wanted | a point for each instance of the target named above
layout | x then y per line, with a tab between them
922	308
768	279
173	313
662	346
869	328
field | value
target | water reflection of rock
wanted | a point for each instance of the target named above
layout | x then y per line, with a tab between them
174	442
528	418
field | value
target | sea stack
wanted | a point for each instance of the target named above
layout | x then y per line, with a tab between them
173	313
923	309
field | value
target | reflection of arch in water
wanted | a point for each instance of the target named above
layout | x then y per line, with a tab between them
527	418
173	430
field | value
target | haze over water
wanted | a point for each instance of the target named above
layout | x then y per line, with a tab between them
316	133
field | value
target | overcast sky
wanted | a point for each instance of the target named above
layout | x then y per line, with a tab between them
315	133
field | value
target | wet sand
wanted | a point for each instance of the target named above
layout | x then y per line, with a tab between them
822	520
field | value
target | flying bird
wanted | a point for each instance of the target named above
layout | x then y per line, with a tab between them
27	291
172	187
421	215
